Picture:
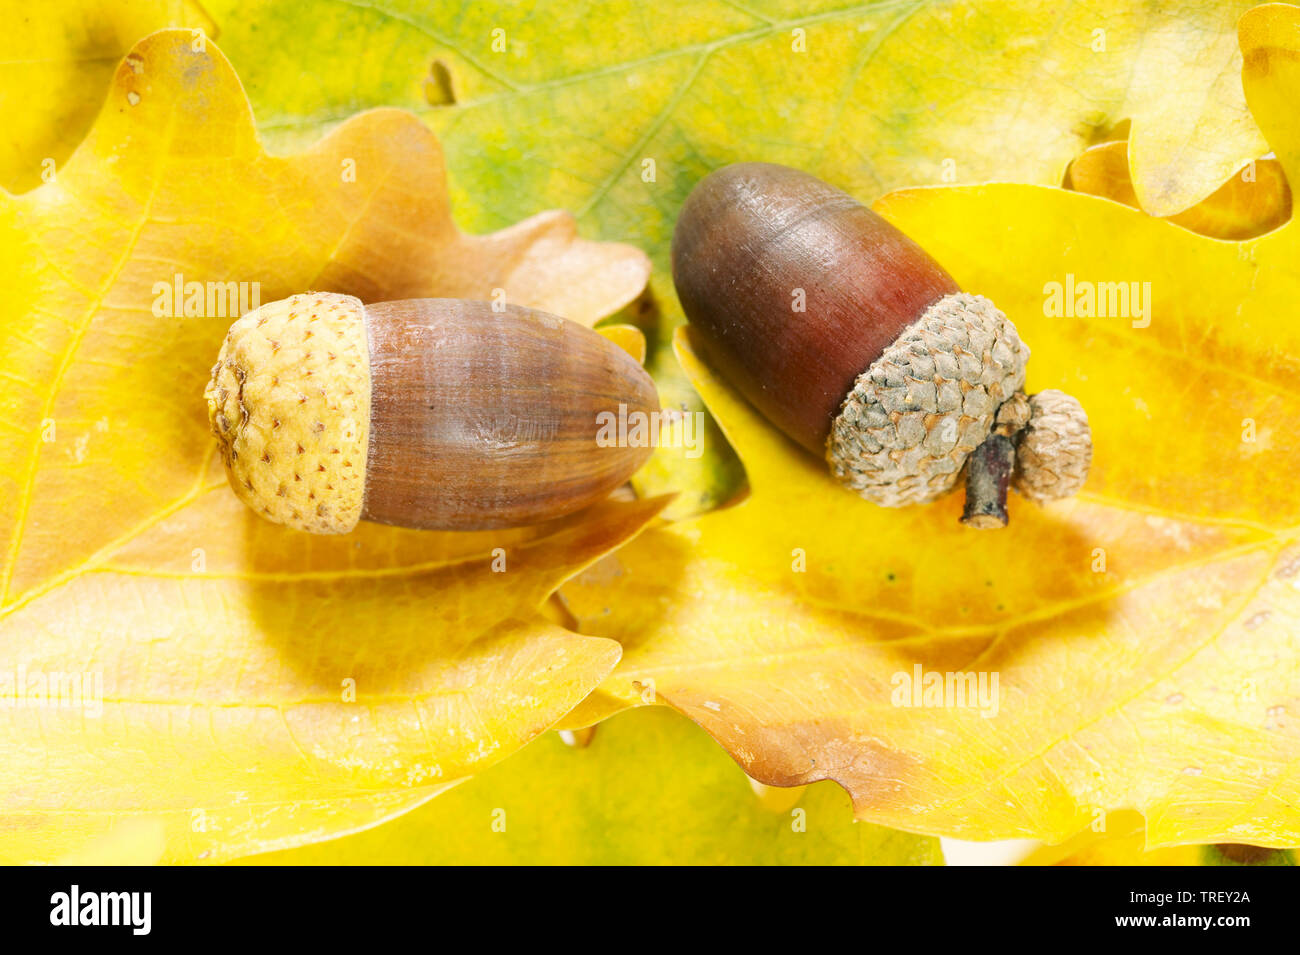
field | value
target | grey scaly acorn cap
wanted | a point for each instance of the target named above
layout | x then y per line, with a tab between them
915	415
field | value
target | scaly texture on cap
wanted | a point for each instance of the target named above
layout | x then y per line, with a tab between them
289	402
927	402
1055	450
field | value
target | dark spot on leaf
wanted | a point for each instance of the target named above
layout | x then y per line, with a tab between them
439	85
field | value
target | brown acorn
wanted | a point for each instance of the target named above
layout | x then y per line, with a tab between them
854	342
427	413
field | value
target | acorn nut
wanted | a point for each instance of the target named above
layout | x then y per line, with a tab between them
856	344
426	413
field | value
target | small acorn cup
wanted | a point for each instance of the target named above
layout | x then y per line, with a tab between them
426	413
854	342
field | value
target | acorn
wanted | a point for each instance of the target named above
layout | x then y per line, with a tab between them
853	341
426	413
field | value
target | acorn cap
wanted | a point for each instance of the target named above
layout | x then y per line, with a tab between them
289	402
440	414
915	415
1055	449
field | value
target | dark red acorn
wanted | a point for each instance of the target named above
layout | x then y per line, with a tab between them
853	341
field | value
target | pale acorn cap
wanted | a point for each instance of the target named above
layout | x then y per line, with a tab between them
1055	449
289	402
914	416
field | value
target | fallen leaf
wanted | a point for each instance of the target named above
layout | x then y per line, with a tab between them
1239	855
222	654
54	66
1124	843
1144	634
649	789
1202	133
628	338
1254	201
872	95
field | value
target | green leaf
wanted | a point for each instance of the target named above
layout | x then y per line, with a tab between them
651	789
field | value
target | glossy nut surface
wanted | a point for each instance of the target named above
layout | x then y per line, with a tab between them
753	243
484	419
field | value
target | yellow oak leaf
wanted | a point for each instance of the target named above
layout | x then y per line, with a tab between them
1145	635
55	61
648	788
173	665
1254	201
1124	843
